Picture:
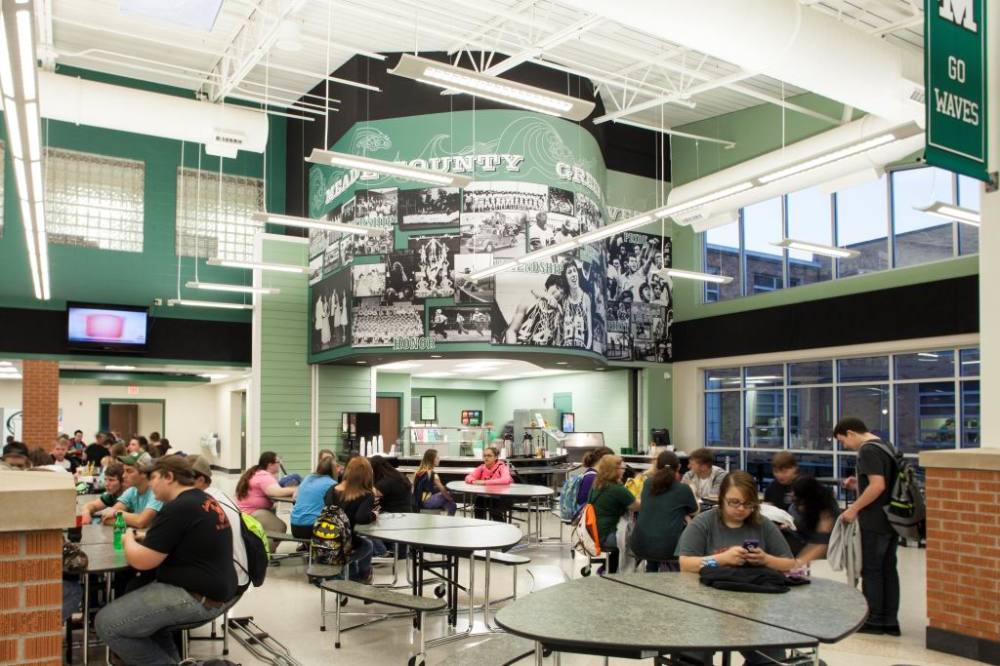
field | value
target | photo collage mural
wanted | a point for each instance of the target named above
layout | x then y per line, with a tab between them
408	279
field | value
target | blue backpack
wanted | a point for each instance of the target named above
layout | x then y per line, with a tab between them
568	508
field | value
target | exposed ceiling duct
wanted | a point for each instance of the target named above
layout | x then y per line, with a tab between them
838	143
787	41
222	128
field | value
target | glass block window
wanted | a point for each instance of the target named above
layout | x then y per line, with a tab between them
208	227
94	200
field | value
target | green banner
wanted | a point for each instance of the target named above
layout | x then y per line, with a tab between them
955	80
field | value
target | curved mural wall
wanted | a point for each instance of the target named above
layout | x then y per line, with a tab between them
537	181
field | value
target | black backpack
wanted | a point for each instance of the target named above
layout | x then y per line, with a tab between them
906	508
256	544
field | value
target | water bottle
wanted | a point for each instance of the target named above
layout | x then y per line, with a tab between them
119	529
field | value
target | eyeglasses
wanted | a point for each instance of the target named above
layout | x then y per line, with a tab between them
737	504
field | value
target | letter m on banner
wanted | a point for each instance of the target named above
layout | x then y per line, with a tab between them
959	12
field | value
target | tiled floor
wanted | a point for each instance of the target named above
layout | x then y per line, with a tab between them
287	607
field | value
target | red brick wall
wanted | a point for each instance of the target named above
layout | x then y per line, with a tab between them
963	551
40	403
31	598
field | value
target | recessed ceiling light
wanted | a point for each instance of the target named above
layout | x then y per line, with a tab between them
433	375
398	365
119	367
361	362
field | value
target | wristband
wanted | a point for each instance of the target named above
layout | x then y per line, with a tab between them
709	562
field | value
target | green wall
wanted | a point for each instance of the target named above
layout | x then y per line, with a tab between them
450	404
340	389
136	278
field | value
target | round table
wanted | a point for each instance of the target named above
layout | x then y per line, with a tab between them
97	533
451	536
534	494
102	558
645	615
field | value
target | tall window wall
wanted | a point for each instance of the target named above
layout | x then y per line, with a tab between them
879	219
919	400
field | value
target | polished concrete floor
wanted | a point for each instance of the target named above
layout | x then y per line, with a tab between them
287	607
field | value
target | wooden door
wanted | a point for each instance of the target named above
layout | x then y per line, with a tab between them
388	419
124	419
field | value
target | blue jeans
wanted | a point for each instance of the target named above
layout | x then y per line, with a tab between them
359	563
438	500
134	625
72	597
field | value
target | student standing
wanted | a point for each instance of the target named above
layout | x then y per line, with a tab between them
879	576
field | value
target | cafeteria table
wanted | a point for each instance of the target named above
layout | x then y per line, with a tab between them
102	558
534	494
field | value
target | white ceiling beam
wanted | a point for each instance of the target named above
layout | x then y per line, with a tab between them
494	24
673	132
673	97
543	45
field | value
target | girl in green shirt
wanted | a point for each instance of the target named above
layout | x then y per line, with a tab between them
611	501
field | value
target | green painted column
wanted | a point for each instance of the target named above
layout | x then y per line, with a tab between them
340	389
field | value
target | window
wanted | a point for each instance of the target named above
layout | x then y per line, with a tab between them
761	228
212	226
810	220
926	365
865	369
765	412
868	403
93	200
918	236
925	416
968	197
811	372
970	414
810	418
863	225
722	418
722	257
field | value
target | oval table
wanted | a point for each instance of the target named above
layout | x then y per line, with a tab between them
646	615
524	491
451	536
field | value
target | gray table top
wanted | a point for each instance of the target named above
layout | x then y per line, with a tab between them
438	532
632	622
512	490
93	534
824	609
562	468
103	557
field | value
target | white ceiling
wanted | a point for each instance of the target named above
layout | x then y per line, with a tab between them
629	66
489	369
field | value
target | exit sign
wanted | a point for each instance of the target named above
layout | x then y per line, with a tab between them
955	80
133	389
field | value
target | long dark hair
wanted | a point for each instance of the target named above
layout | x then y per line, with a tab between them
591	457
811	501
382	469
665	472
243	485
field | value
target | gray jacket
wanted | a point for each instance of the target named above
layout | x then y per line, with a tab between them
844	552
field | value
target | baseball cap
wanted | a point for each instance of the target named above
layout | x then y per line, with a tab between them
200	466
131	459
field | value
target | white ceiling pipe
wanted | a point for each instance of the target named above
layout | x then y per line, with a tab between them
223	129
853	133
784	40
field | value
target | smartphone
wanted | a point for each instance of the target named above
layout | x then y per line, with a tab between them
751	544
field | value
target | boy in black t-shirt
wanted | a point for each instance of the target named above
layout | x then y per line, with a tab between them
190	545
784	468
879	576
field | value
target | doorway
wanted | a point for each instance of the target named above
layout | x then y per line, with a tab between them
132	417
389	410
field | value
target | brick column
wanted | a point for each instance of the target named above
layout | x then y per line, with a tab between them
40	402
963	552
37	506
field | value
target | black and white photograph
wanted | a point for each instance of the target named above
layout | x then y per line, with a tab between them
632	261
331	256
530	308
619	331
330	311
401	275
376	209
650	328
430	207
346	243
318	241
561	201
494	196
588	213
501	233
551	229
315	270
470	291
368	280
376	325
435	275
461	323
347	212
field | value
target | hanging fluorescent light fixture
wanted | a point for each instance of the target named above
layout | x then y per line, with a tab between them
816	248
550	251
310	223
487	86
257	265
387	168
19	87
209	304
953	213
234	288
491	271
694	275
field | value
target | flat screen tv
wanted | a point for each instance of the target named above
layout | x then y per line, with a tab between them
121	328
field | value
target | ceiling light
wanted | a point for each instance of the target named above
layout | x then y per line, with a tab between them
237	288
832	156
711	197
435	375
6	369
546	252
119	367
505	91
950	212
561	363
491	270
615	229
824	250
199	15
480	365
387	168
399	365
361	362
213	375
928	355
310	223
257	265
694	275
209	304
26	53
4	364
436	356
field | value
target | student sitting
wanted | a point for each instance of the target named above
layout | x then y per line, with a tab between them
816	512
611	501
590	461
139	446
428	490
355	494
785	469
60	458
114	486
394	493
309	502
256	488
138	503
190	546
15	456
666	507
493	472
704	477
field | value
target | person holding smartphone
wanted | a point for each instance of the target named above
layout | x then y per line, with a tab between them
734	534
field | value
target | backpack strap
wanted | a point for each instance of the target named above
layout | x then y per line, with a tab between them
895	455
